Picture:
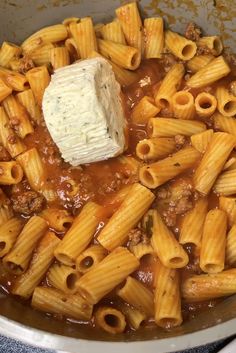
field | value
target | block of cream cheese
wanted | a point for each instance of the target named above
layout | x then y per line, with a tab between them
83	112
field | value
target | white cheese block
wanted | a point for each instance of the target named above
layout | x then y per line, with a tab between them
83	112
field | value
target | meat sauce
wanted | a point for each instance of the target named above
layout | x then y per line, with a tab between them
100	181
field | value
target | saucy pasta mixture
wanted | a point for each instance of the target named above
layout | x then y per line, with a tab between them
147	237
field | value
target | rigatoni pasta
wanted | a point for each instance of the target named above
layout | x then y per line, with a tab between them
154	34
155	148
181	47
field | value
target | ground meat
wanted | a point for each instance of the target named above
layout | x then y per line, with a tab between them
232	88
138	235
180	140
204	50
4	155
163	193
169	218
193	32
183	205
27	202
168	61
26	64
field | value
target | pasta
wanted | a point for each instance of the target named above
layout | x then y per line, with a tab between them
166	127
144	110
156	174
181	47
212	256
204	287
96	283
63	277
110	320
135	294
169	86
80	234
213	161
167	298
183	105
210	73
154	33
17	260
155	148
205	104
42	258
167	248
137	202
141	239
193	222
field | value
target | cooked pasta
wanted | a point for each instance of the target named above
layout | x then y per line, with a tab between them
181	47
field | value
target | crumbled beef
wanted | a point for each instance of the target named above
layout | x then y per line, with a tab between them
26	64
138	235
193	32
169	218
180	140
232	88
163	193
168	60
204	50
27	202
4	155
11	139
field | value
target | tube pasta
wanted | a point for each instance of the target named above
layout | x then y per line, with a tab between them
156	174
63	277
214	43
212	255
17	260
169	86
205	287
167	127
51	34
18	115
53	301
80	234
84	36
9	231
230	164
230	256
183	105
6	212
198	62
226	124
71	46
110	319
155	148
228	205
8	52
165	245
123	76
205	104
136	203
33	168
10	173
5	90
201	141
111	271
137	295
226	101
193	222
213	161
144	110
39	79
68	20
42	258
140	250
167	298
210	73
15	80
41	55
181	47
129	18
225	184
90	258
121	55
154	37
112	31
133	316
27	100
59	57
57	219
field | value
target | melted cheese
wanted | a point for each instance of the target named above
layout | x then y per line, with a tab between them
83	112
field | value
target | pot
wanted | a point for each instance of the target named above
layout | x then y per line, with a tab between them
18	19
